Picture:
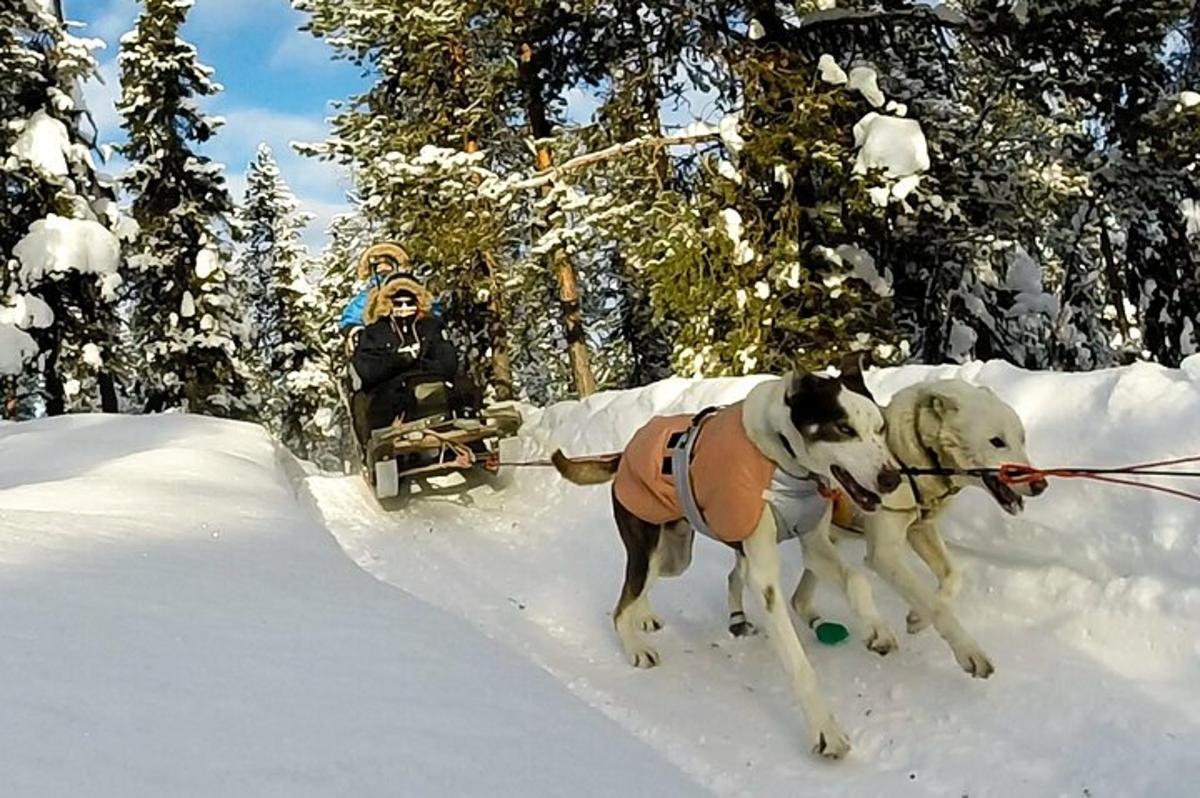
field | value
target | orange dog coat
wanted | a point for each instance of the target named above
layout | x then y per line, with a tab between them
729	475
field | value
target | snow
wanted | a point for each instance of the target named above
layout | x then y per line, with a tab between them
92	356
894	144
728	130
44	143
1190	209
16	347
730	172
865	80
177	621
207	263
830	71
862	266
56	245
1087	603
733	226
1188	99
27	312
962	339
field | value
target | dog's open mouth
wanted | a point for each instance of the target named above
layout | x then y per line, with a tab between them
1005	496
864	498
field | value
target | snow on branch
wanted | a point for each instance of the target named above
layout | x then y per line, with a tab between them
691	136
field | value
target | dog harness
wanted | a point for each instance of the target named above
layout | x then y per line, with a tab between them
705	469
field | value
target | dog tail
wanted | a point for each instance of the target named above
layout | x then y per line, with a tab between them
586	470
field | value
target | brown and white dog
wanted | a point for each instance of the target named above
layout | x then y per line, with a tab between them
802	424
945	424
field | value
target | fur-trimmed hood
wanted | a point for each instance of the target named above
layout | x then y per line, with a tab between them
379	301
398	252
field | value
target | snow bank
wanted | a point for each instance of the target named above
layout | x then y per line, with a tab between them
1103	418
175	622
56	244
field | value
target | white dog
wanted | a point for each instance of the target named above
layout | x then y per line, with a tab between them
935	426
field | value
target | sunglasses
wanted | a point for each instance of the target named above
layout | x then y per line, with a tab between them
381	263
402	303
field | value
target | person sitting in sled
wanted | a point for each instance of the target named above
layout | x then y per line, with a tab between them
375	265
402	346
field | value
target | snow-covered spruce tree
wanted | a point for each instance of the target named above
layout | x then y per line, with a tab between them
186	318
348	236
59	252
436	107
285	308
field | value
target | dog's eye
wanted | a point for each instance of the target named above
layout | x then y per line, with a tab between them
847	430
999	443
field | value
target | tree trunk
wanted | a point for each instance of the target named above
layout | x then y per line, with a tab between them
502	376
564	270
108	393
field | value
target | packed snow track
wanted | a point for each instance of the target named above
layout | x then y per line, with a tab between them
1087	605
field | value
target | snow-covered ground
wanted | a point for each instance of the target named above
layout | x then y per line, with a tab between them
175	621
178	619
1089	606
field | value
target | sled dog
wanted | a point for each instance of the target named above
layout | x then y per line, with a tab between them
805	425
944	424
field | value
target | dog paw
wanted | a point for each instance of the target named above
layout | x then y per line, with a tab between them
881	640
643	657
916	622
742	629
650	623
975	662
832	742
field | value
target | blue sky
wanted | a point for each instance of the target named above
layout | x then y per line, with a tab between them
279	83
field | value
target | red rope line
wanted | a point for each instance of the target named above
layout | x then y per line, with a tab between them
1013	474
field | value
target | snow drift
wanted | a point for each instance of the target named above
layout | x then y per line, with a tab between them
176	622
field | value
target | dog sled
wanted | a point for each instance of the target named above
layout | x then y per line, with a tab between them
443	444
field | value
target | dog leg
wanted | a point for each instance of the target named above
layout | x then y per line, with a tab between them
928	544
762	561
822	557
738	625
641	541
886	541
802	598
672	557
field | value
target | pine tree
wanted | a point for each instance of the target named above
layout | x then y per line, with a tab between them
187	319
58	224
284	306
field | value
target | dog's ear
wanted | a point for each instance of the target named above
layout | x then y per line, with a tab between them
810	397
852	367
942	405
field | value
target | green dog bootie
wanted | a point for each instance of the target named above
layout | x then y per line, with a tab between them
831	633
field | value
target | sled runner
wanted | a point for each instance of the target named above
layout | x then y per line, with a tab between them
439	441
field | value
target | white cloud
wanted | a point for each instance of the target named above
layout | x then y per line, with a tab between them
110	24
297	49
101	94
236	143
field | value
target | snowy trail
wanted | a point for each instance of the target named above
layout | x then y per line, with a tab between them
1098	671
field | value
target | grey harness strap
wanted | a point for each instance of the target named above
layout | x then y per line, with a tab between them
796	501
681	462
